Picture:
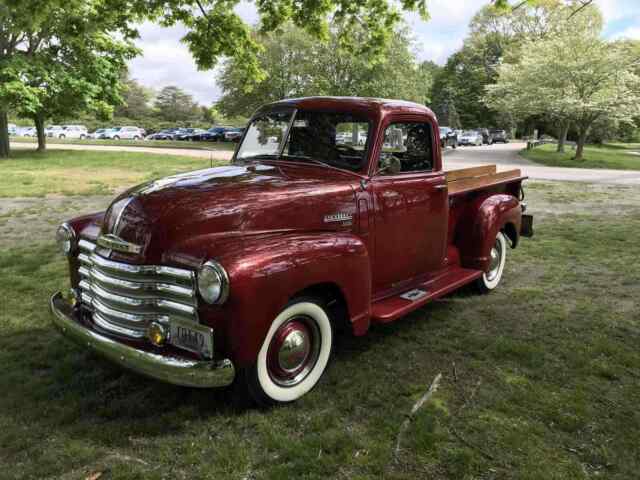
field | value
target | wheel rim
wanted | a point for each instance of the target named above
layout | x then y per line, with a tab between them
494	264
293	351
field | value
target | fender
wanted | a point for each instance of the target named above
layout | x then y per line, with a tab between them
266	272
480	225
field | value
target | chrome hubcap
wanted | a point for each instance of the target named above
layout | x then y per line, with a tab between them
494	265
293	351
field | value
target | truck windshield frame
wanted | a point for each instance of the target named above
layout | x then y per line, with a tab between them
334	139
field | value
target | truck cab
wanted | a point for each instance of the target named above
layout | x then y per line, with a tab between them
334	214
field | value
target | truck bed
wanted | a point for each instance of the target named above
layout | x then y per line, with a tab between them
476	178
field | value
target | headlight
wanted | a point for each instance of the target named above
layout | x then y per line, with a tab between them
213	282
66	238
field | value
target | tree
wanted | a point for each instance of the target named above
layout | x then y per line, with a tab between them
574	76
135	100
295	64
60	57
173	104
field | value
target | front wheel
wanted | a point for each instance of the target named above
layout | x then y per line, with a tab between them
491	278
293	356
116	137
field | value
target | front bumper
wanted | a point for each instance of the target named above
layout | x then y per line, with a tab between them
170	369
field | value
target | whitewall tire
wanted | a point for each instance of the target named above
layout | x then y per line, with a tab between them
294	354
491	278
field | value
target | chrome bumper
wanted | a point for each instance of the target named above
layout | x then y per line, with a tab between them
171	369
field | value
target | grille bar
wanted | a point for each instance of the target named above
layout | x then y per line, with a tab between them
125	298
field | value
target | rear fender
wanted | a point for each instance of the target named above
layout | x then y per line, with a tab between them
267	272
479	226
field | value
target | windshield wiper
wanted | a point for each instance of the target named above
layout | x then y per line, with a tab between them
307	159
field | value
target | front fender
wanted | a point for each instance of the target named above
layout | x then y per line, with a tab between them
486	217
268	271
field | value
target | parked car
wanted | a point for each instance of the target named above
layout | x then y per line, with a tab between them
53	131
486	136
214	134
97	133
499	136
161	135
470	137
448	137
12	129
123	133
233	134
243	272
74	131
188	133
27	132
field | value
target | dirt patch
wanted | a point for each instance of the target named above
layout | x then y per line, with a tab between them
32	220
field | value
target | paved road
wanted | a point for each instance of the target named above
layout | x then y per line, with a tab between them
505	156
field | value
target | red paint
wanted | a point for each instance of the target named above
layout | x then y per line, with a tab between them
265	224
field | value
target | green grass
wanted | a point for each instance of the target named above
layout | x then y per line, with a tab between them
546	382
226	146
74	172
614	156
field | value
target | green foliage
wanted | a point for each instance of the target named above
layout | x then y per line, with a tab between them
612	156
296	64
135	100
172	104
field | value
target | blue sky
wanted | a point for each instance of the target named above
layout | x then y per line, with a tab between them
166	61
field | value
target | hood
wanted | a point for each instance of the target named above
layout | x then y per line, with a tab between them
172	218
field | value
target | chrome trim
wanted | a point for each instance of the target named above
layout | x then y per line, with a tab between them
142	286
116	224
224	280
86	245
108	326
177	273
114	242
171	369
73	240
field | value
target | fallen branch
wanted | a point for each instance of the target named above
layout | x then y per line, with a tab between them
421	401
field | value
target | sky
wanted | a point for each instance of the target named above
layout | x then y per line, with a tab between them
167	61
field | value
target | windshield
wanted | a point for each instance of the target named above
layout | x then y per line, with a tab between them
335	139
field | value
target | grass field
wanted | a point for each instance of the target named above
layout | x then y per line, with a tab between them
76	172
616	156
541	378
229	146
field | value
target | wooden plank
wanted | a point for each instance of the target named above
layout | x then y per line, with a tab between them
484	181
454	175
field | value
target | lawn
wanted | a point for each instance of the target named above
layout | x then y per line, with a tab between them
228	146
75	172
617	156
540	378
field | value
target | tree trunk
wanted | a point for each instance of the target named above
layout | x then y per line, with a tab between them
42	139
582	139
4	135
562	136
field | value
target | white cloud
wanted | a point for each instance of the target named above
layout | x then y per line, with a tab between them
632	33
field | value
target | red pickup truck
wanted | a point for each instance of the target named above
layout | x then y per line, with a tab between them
334	213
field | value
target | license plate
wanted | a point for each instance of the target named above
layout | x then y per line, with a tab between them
191	336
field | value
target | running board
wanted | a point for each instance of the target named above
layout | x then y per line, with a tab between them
391	308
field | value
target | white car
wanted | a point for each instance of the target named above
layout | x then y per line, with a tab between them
53	131
13	129
123	133
470	137
74	131
97	133
27	132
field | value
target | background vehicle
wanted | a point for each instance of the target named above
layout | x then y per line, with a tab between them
470	137
167	134
27	132
499	136
123	133
448	137
486	136
53	131
188	133
246	272
74	131
13	129
233	134
97	133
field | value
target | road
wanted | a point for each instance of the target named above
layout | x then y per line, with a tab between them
504	156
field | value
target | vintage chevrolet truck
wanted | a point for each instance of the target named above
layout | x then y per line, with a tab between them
334	214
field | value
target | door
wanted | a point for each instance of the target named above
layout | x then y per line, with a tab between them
411	207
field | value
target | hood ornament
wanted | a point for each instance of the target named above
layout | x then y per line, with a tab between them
113	242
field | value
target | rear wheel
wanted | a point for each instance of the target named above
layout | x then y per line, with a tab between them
491	278
293	356
116	137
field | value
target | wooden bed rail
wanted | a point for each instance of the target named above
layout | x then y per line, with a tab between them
474	178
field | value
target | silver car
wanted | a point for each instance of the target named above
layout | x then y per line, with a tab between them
470	137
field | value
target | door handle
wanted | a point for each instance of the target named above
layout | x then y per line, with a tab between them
441	187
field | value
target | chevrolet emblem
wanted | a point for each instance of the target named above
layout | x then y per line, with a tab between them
114	242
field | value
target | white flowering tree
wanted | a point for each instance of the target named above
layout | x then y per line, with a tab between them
573	77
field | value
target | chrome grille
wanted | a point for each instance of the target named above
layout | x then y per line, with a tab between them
125	298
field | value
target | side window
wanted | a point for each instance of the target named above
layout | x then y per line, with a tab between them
407	148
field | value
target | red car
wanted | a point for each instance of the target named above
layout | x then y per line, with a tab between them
334	213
